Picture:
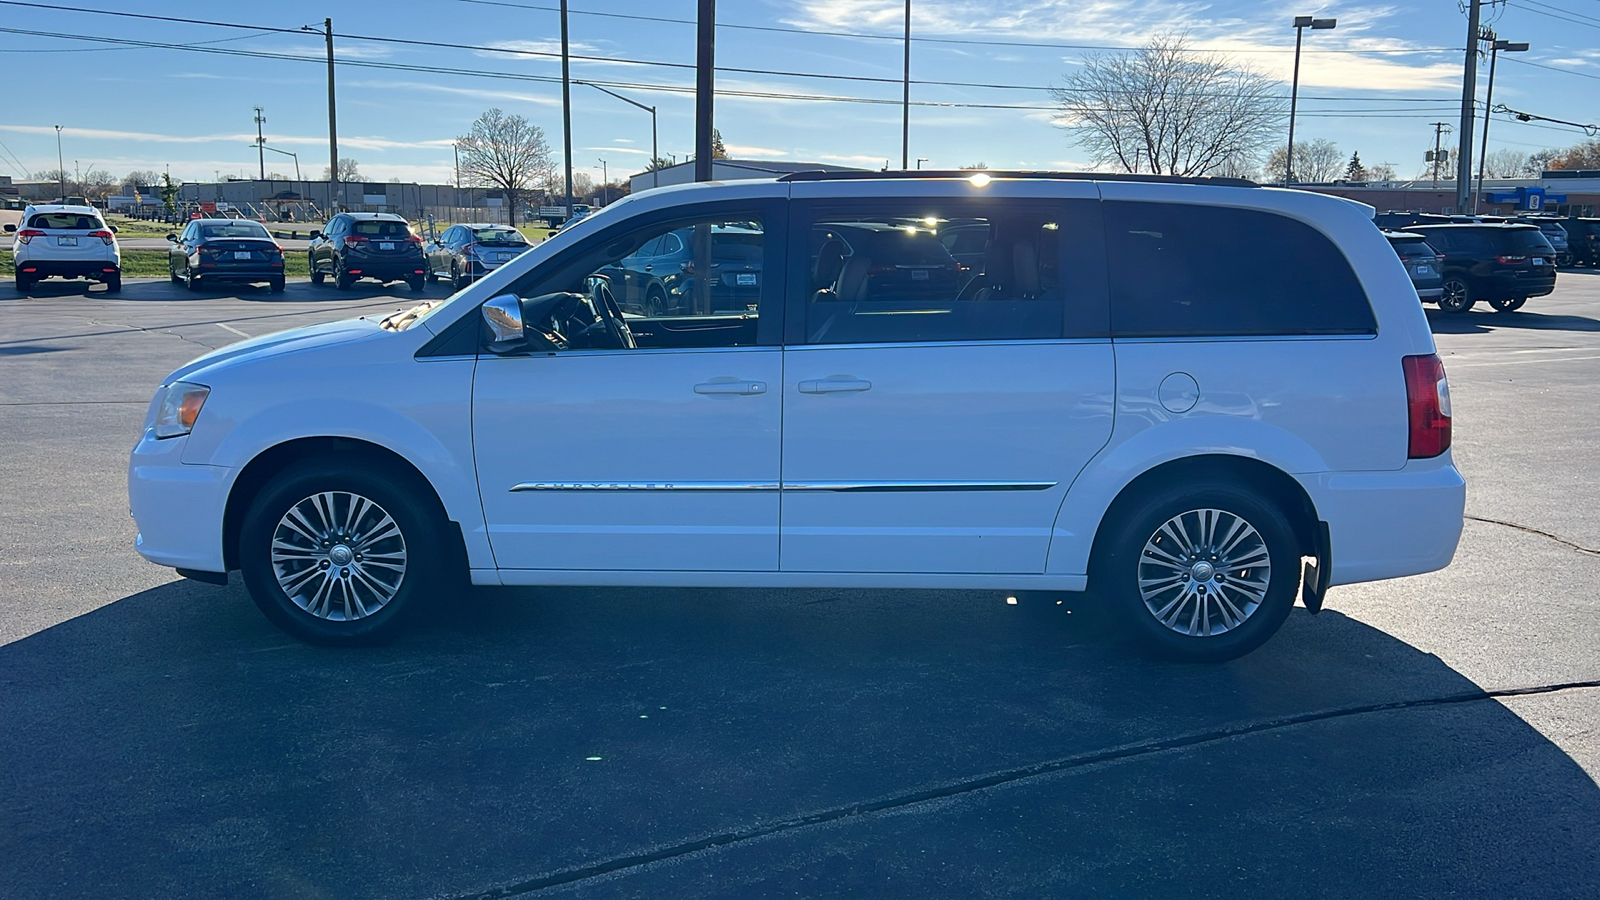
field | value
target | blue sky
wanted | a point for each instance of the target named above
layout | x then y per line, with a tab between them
125	108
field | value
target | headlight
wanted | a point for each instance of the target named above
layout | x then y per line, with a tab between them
180	406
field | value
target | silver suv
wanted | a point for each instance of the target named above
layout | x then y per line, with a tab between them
62	241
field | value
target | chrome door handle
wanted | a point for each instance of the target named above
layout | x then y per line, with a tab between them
835	386
731	387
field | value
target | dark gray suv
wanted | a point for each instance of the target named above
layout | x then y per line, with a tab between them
367	245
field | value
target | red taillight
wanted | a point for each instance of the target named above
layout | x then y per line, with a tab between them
28	234
1428	406
1512	260
351	240
414	239
469	250
102	235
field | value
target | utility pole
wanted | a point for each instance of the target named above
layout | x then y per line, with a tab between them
705	59
905	102
1439	128
605	183
261	143
1488	106
333	124
1469	95
566	108
61	165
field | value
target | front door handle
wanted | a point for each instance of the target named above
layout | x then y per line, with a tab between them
744	388
835	386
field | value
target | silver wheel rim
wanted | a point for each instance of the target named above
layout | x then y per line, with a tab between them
1204	572
1455	294
338	556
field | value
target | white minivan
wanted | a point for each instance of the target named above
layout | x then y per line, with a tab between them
1199	400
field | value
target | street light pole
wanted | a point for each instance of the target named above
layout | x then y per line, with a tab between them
1488	107
1301	23
286	153
605	184
920	161
655	176
566	110
61	165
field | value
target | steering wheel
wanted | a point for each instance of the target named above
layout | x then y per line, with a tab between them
612	313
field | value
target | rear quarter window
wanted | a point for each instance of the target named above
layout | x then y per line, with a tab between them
1180	270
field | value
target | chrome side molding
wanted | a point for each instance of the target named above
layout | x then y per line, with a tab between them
854	487
642	486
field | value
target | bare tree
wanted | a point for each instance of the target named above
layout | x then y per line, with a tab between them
508	153
142	178
1382	172
348	170
1315	160
1169	110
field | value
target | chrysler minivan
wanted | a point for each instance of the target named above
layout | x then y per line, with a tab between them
1199	400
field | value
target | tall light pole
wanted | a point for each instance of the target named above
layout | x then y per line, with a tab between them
605	183
1301	23
705	62
1488	105
905	101
61	165
286	153
920	161
655	179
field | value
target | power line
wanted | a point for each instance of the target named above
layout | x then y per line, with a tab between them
928	40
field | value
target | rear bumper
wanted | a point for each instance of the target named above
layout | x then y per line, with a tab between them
1529	285
62	268
177	508
239	273
1391	524
386	269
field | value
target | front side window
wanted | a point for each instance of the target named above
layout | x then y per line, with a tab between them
1181	270
682	284
934	272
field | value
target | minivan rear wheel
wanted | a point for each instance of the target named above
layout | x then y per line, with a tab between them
1207	574
339	555
1457	296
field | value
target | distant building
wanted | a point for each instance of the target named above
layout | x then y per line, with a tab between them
728	170
1556	192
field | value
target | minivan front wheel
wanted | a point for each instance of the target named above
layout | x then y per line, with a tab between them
1457	296
1207	575
338	555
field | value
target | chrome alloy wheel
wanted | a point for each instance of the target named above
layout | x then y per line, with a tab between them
338	556
1204	572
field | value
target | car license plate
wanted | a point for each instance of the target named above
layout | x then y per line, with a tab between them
1424	270
66	242
746	279
241	254
386	246
1538	260
919	274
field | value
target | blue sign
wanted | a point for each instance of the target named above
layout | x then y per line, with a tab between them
1528	199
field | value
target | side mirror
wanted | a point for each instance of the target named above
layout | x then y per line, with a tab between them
112	228
10	228
173	238
315	235
503	315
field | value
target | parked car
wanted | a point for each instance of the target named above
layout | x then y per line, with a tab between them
65	241
658	278
858	433
1422	262
237	251
1583	240
1503	263
465	253
353	246
1553	232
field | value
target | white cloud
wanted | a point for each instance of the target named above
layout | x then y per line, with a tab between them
354	141
552	99
744	151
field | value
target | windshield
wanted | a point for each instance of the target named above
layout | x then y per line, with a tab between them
234	230
501	236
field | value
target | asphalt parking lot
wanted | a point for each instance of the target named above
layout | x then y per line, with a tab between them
1437	735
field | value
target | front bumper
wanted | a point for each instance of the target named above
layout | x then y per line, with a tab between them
178	508
1390	524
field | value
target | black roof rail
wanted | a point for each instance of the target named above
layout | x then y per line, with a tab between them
915	174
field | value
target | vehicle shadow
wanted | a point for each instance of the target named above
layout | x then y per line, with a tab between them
173	743
1480	321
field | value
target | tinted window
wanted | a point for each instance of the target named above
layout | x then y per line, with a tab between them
1412	248
886	274
503	236
373	228
70	220
1182	269
1462	241
1524	240
234	230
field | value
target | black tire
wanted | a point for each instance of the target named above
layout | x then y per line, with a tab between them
342	279
1457	296
1124	558
1508	304
114	283
420	535
24	284
173	274
655	301
417	283
317	276
456	280
191	280
277	285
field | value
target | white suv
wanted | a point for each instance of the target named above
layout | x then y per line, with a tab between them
57	240
1197	400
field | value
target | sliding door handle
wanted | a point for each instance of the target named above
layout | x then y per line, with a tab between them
745	388
835	386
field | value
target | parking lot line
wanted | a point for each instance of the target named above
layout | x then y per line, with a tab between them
226	327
